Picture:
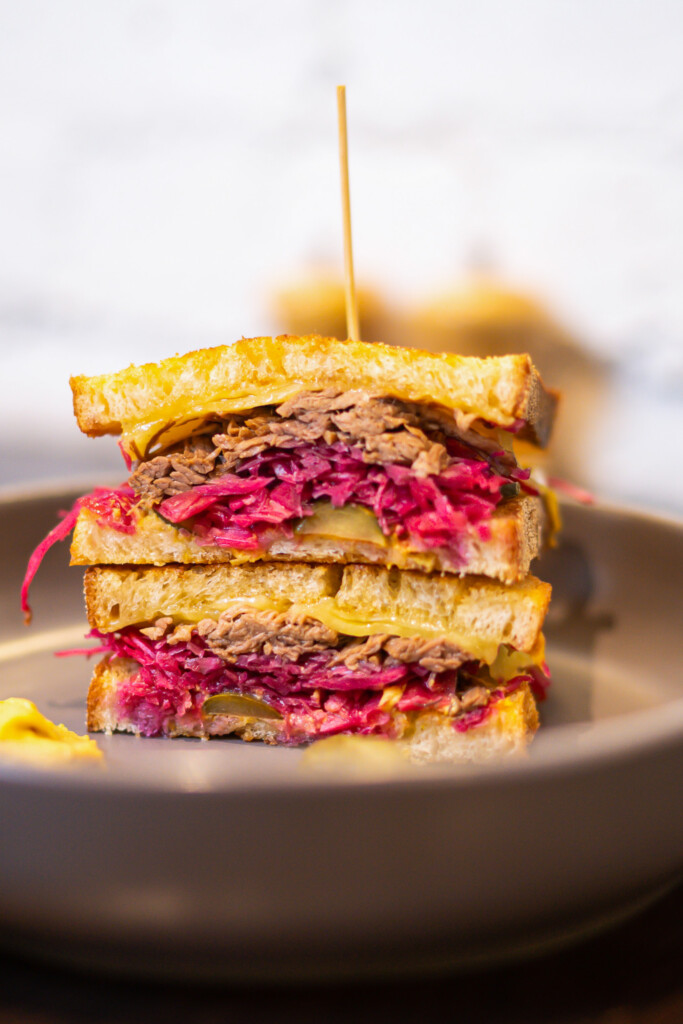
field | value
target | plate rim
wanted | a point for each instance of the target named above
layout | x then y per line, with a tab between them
633	733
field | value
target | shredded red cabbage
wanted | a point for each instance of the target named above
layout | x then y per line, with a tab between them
274	488
86	652
57	533
112	507
540	681
315	699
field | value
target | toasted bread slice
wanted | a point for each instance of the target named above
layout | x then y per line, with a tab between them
142	401
476	614
424	737
514	540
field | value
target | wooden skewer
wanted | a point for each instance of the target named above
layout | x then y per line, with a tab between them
349	282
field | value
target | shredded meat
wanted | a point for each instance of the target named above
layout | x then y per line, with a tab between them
176	471
159	629
436	655
474	697
385	429
354	653
245	630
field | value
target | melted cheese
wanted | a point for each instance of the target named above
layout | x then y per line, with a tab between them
505	661
345	621
510	663
178	420
27	735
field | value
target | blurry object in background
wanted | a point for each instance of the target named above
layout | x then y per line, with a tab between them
368	756
315	303
486	317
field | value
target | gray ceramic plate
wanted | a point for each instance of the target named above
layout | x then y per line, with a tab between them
227	859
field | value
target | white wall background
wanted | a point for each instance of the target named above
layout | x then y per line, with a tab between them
163	163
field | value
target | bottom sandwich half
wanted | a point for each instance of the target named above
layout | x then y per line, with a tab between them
448	668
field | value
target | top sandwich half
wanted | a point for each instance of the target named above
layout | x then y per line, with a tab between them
318	449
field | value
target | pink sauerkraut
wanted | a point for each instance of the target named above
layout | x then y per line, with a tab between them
112	507
278	487
270	492
314	698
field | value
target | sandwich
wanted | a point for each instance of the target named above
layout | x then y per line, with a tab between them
289	653
317	537
311	449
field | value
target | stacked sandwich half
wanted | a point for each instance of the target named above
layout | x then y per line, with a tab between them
318	537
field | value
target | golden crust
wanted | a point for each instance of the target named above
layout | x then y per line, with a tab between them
507	730
258	371
100	692
96	694
120	596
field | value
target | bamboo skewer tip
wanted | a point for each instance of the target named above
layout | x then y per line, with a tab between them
349	281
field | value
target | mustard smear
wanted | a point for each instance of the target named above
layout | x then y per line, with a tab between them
26	735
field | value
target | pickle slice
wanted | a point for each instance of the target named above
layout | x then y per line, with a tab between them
352	522
510	490
239	704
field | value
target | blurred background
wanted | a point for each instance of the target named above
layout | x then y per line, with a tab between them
169	180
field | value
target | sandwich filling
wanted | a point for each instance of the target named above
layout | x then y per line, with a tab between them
351	468
404	472
302	677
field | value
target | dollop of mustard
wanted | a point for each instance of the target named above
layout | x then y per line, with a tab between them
27	735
